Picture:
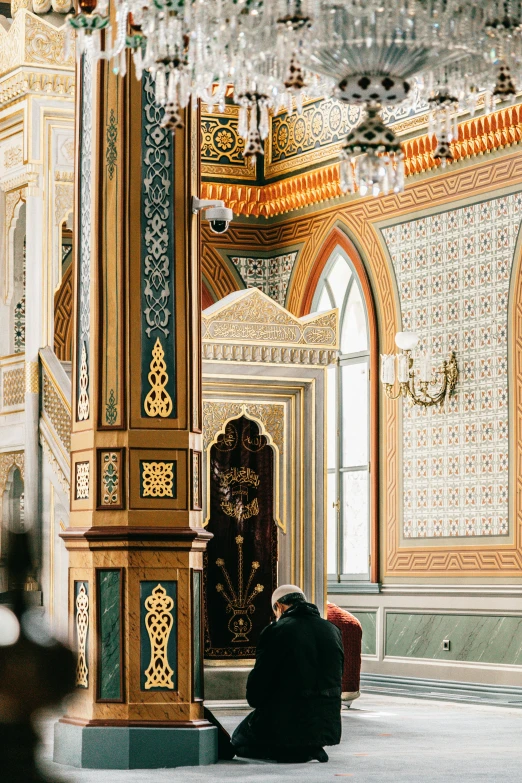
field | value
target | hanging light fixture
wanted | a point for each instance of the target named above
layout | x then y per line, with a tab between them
372	159
373	53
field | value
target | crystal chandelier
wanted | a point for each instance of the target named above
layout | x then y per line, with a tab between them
373	53
416	378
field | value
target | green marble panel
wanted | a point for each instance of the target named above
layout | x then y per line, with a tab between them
368	621
109	675
196	628
474	638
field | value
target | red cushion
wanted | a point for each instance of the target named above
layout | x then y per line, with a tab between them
351	631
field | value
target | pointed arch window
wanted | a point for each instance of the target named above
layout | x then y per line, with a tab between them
348	434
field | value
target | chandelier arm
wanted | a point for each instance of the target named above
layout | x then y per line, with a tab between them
388	388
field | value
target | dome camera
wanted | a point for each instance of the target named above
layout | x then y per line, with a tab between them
219	219
215	212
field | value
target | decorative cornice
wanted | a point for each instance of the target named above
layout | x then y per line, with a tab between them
64	176
26	177
279	197
476	136
23	82
268	354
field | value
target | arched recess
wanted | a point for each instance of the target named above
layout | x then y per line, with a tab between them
337	241
63	301
241	563
10	463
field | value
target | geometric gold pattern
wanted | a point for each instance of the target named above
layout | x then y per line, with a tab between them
158	401
157	479
159	622
82	624
13	390
32	378
82	480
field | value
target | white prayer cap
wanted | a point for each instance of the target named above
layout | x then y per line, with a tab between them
283	590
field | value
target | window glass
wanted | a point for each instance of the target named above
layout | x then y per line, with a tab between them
354	385
338	279
325	303
348	425
354	332
356	539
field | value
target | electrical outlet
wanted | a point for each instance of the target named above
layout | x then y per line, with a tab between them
446	644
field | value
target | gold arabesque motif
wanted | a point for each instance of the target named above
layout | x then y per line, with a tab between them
82	625
158	401
83	399
159	622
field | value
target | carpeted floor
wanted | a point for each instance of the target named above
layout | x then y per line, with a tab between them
385	738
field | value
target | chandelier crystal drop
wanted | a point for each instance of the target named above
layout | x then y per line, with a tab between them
453	56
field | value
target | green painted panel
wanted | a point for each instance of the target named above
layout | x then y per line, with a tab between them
474	638
368	621
110	641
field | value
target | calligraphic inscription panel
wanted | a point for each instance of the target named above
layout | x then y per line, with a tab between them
241	559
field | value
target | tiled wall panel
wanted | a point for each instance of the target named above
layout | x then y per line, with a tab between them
453	272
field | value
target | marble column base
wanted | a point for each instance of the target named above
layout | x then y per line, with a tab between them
133	747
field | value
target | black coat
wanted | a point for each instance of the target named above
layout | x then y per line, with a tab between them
295	685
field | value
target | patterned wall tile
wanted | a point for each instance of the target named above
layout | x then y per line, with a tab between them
453	271
270	275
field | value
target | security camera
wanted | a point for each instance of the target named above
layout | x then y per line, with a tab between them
215	212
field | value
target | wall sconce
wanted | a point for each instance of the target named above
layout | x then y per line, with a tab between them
416	378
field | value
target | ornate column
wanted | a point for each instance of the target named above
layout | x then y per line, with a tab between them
136	539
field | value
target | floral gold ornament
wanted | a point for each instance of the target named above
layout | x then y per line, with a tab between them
240	599
158	401
415	379
159	622
82	626
157	479
110	479
83	399
112	150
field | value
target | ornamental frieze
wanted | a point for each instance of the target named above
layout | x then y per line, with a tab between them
250	316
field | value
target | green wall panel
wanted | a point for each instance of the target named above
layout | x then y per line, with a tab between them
109	663
474	638
368	621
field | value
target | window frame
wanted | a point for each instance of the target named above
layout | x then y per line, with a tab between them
337	242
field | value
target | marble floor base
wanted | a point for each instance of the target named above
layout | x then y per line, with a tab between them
386	739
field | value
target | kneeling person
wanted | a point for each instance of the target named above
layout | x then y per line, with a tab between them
295	685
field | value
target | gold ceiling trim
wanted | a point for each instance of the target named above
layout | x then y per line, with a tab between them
476	136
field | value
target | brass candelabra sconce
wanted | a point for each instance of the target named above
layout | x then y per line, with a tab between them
417	380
